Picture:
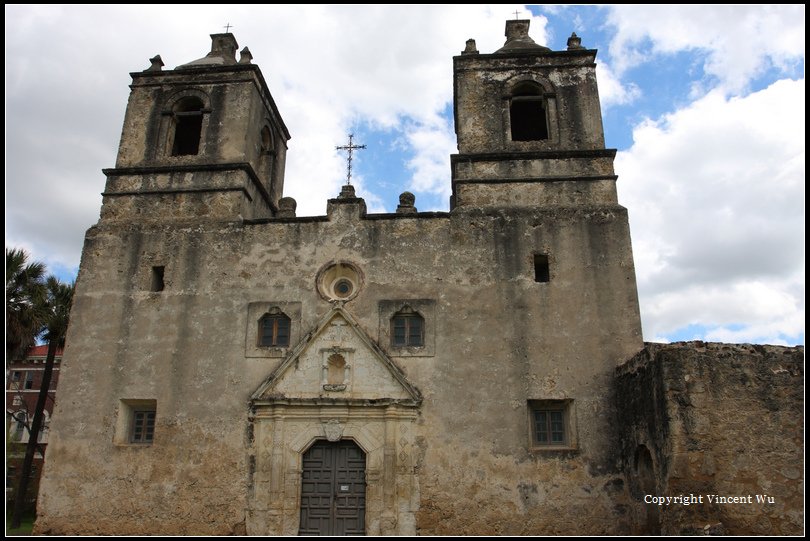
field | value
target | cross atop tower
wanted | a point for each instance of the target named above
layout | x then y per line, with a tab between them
351	147
228	27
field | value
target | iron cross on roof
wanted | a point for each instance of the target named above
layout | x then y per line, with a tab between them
228	27
351	147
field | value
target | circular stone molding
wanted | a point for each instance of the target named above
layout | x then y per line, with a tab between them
339	281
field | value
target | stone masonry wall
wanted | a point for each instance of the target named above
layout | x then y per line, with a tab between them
718	420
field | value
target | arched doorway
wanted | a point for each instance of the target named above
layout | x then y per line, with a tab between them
645	475
333	489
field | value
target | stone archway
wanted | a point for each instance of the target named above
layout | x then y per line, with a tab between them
283	433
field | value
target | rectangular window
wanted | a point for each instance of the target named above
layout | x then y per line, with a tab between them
549	427
157	278
143	426
29	380
551	424
275	331
407	330
136	420
16	376
19	430
541	273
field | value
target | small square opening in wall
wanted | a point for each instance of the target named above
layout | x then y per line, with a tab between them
541	273
157	278
136	422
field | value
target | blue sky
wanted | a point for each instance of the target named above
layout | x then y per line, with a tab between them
704	103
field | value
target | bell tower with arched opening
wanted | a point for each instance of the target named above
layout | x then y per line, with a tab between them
204	141
529	126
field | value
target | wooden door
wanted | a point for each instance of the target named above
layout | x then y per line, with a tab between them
333	489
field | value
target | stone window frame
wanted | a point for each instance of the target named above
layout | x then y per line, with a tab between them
128	408
426	308
168	123
567	407
549	105
255	312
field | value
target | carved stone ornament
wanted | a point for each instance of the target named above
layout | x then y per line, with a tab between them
332	429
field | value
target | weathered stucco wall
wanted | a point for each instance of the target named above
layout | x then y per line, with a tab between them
528	296
716	419
501	339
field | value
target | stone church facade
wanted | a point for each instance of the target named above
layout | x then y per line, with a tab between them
234	368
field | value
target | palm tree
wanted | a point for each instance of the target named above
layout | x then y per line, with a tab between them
25	294
59	299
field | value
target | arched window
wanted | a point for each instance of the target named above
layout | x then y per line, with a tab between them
274	330
266	155
267	141
407	329
188	117
527	113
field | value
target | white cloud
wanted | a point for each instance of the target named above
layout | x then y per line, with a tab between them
739	41
611	89
716	198
330	68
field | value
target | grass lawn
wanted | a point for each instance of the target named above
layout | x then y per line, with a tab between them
26	524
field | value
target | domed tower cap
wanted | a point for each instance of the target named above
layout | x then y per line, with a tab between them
518	40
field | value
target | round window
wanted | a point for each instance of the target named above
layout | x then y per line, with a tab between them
343	288
339	281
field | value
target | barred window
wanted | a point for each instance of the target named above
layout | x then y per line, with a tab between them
549	427
143	426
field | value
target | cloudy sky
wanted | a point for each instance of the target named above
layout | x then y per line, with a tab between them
704	103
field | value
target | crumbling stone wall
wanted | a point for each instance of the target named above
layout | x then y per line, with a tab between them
717	420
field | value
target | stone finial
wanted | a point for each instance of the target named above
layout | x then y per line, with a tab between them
286	207
574	42
518	40
470	48
224	46
406	201
244	56
347	192
517	29
157	63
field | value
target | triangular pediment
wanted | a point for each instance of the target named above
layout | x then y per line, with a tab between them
337	361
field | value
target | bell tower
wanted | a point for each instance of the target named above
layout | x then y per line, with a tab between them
529	126
532	157
203	141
